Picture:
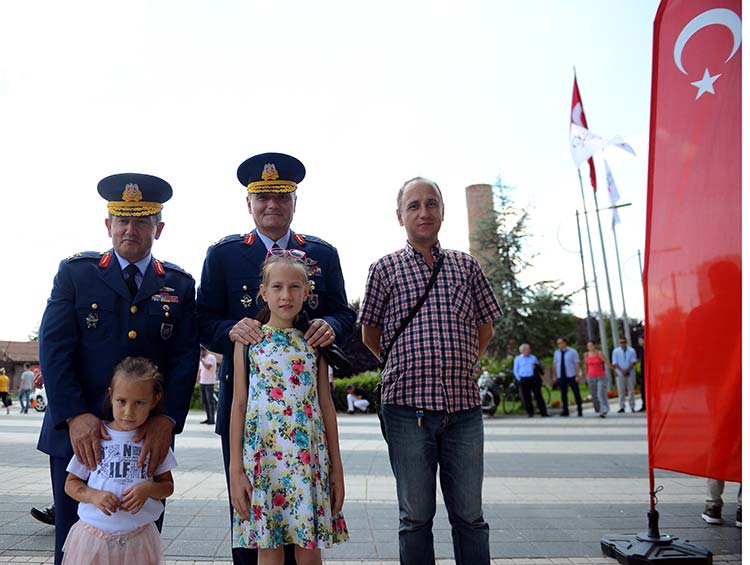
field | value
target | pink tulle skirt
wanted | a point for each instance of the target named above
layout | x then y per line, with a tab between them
87	544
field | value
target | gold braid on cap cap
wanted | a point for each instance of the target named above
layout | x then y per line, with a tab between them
132	204
270	182
134	208
271	186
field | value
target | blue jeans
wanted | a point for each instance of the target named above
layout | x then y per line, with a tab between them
455	443
23	399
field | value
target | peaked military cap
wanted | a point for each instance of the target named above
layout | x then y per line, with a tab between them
134	194
271	172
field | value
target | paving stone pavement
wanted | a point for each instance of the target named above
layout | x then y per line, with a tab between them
553	487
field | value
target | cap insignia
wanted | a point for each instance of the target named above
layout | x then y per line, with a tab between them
269	172
132	193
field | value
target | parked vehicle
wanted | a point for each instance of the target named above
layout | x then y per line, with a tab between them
490	391
40	399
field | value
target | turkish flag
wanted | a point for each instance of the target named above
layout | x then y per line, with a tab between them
693	241
578	117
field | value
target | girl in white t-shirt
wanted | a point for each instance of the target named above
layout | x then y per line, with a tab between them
118	501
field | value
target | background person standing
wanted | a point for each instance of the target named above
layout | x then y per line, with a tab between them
565	367
640	351
5	390
206	382
596	377
623	361
525	370
25	387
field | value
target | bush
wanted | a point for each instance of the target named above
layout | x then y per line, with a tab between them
367	381
497	366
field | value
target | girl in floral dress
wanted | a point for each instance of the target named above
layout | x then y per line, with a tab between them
286	476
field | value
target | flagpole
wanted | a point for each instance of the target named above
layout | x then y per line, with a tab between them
625	321
602	333
612	318
589	329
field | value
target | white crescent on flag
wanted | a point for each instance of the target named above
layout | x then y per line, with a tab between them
584	144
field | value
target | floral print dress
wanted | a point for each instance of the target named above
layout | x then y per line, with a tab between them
285	450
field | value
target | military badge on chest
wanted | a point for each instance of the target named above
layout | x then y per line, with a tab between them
313	299
166	298
313	270
246	300
92	320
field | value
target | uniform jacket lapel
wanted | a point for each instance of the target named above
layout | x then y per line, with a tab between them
255	253
151	283
293	242
113	278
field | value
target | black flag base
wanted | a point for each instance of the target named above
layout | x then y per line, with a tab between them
651	547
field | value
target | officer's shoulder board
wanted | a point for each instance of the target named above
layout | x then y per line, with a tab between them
85	255
229	239
301	239
162	266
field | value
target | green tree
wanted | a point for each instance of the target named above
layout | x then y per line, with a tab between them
547	318
534	314
500	237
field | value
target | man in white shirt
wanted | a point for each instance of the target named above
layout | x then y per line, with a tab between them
624	360
207	380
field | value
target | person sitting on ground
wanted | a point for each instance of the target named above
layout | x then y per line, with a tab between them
355	398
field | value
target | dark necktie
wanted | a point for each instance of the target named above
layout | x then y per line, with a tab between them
563	372
130	272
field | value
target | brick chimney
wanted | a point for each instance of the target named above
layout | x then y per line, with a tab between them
478	205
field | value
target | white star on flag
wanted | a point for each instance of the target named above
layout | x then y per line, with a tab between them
614	195
584	144
706	84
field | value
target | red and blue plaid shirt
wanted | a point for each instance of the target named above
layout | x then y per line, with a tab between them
431	365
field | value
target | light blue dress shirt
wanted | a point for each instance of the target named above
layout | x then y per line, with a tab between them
623	358
523	366
571	358
282	242
142	266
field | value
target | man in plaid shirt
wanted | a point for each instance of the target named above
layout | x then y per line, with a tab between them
430	401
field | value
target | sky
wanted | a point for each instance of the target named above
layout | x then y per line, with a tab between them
366	95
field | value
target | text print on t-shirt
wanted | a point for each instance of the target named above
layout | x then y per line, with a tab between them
120	461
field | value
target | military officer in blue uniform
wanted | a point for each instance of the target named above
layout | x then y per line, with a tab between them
104	307
230	281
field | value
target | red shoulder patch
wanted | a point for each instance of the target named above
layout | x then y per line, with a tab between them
250	238
299	239
104	261
158	267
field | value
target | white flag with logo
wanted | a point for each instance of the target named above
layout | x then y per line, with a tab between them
584	144
614	196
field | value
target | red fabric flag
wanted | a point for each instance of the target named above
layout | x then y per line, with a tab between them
577	116
693	241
